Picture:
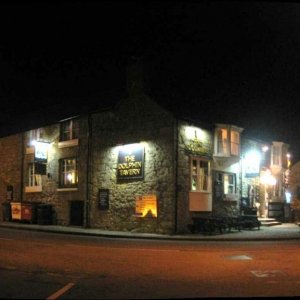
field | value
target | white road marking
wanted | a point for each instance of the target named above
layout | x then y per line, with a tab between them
124	248
271	273
239	257
61	291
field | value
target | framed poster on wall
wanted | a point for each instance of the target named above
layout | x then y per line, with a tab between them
103	199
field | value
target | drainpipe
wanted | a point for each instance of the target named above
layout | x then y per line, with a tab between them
22	167
241	183
176	174
88	173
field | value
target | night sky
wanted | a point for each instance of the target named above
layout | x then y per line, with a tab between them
235	62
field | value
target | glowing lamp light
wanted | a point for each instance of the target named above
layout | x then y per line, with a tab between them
252	162
70	177
288	197
253	157
130	148
268	179
194	133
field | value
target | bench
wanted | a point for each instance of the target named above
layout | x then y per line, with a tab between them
207	225
249	222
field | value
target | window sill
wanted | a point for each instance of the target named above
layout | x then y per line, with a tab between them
33	189
70	143
29	150
67	189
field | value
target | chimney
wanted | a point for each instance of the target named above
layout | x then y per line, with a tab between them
135	76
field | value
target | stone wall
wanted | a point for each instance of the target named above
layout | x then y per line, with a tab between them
186	149
11	165
136	120
60	199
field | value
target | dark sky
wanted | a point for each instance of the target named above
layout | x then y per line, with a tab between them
219	61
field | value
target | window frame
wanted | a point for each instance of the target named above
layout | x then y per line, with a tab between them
34	181
234	142
62	172
69	130
227	141
199	178
276	155
222	141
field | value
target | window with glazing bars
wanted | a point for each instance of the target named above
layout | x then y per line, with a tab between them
68	172
69	130
200	175
33	179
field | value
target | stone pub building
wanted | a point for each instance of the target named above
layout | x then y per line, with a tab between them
134	167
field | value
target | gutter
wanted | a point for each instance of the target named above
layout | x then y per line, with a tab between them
88	173
22	167
176	176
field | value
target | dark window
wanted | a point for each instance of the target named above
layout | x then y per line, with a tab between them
69	130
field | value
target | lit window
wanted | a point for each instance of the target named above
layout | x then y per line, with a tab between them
227	141
200	175
235	143
69	130
68	172
33	178
223	142
229	184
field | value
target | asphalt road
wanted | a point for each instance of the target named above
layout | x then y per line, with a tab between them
39	265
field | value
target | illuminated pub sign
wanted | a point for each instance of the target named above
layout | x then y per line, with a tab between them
131	162
40	153
197	141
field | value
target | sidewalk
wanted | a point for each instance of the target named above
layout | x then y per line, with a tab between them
285	231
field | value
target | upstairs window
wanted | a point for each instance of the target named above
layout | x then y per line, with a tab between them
200	175
227	142
276	155
235	143
69	130
68	172
35	135
222	142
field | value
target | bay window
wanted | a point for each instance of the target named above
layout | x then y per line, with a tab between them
200	175
227	140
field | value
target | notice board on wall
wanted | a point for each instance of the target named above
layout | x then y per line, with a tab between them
103	199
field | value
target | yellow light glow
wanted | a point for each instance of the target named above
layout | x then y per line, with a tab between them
70	177
146	206
149	211
267	178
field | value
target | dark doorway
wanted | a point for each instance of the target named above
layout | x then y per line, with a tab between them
76	213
